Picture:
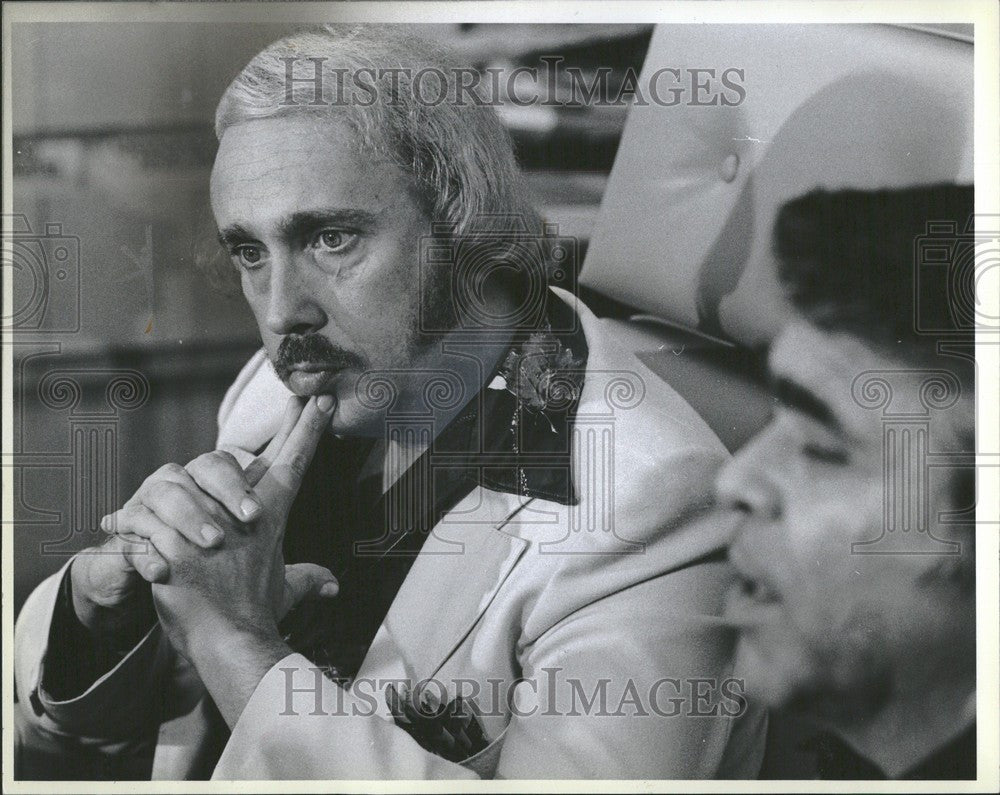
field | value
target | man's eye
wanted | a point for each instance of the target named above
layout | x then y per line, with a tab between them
248	257
334	240
826	455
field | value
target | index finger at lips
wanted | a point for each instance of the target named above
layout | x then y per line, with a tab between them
293	410
285	475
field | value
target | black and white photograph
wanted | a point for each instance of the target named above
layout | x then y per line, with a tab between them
585	394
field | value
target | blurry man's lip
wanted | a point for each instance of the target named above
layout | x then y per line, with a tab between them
756	590
750	605
751	593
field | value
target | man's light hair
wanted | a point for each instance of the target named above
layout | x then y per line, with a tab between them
457	151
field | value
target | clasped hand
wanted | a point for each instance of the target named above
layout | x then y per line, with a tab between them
209	536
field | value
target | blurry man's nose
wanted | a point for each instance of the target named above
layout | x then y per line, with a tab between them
292	303
745	484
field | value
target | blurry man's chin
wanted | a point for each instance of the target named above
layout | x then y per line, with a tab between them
785	679
769	679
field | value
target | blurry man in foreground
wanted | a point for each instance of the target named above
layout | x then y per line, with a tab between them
856	598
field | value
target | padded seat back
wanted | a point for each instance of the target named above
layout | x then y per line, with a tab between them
684	231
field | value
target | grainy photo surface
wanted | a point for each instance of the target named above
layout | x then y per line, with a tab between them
447	393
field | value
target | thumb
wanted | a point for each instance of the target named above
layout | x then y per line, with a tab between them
304	581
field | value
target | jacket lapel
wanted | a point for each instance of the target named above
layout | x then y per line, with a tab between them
458	572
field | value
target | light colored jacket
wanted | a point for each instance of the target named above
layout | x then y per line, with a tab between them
589	636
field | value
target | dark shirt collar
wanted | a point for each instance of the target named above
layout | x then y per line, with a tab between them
504	439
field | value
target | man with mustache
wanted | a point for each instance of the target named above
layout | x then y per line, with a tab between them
293	352
856	548
461	481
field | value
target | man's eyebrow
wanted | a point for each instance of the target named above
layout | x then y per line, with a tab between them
304	222
799	398
233	234
301	223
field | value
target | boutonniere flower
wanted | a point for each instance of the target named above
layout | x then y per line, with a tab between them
543	374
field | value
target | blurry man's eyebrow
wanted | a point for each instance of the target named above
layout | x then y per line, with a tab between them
797	397
302	223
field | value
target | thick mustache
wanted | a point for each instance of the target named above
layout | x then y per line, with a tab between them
313	349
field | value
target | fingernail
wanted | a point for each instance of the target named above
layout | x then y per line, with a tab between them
325	403
212	535
104	523
329	589
249	507
157	570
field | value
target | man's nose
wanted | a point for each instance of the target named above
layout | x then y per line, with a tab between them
745	483
292	306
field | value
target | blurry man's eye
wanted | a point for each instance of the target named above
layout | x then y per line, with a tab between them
825	454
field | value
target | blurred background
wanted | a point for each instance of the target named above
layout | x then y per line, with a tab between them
124	349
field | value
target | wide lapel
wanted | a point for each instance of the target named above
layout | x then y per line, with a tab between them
458	572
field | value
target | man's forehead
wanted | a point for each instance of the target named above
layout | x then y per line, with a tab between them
836	365
277	166
825	365
822	360
264	148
